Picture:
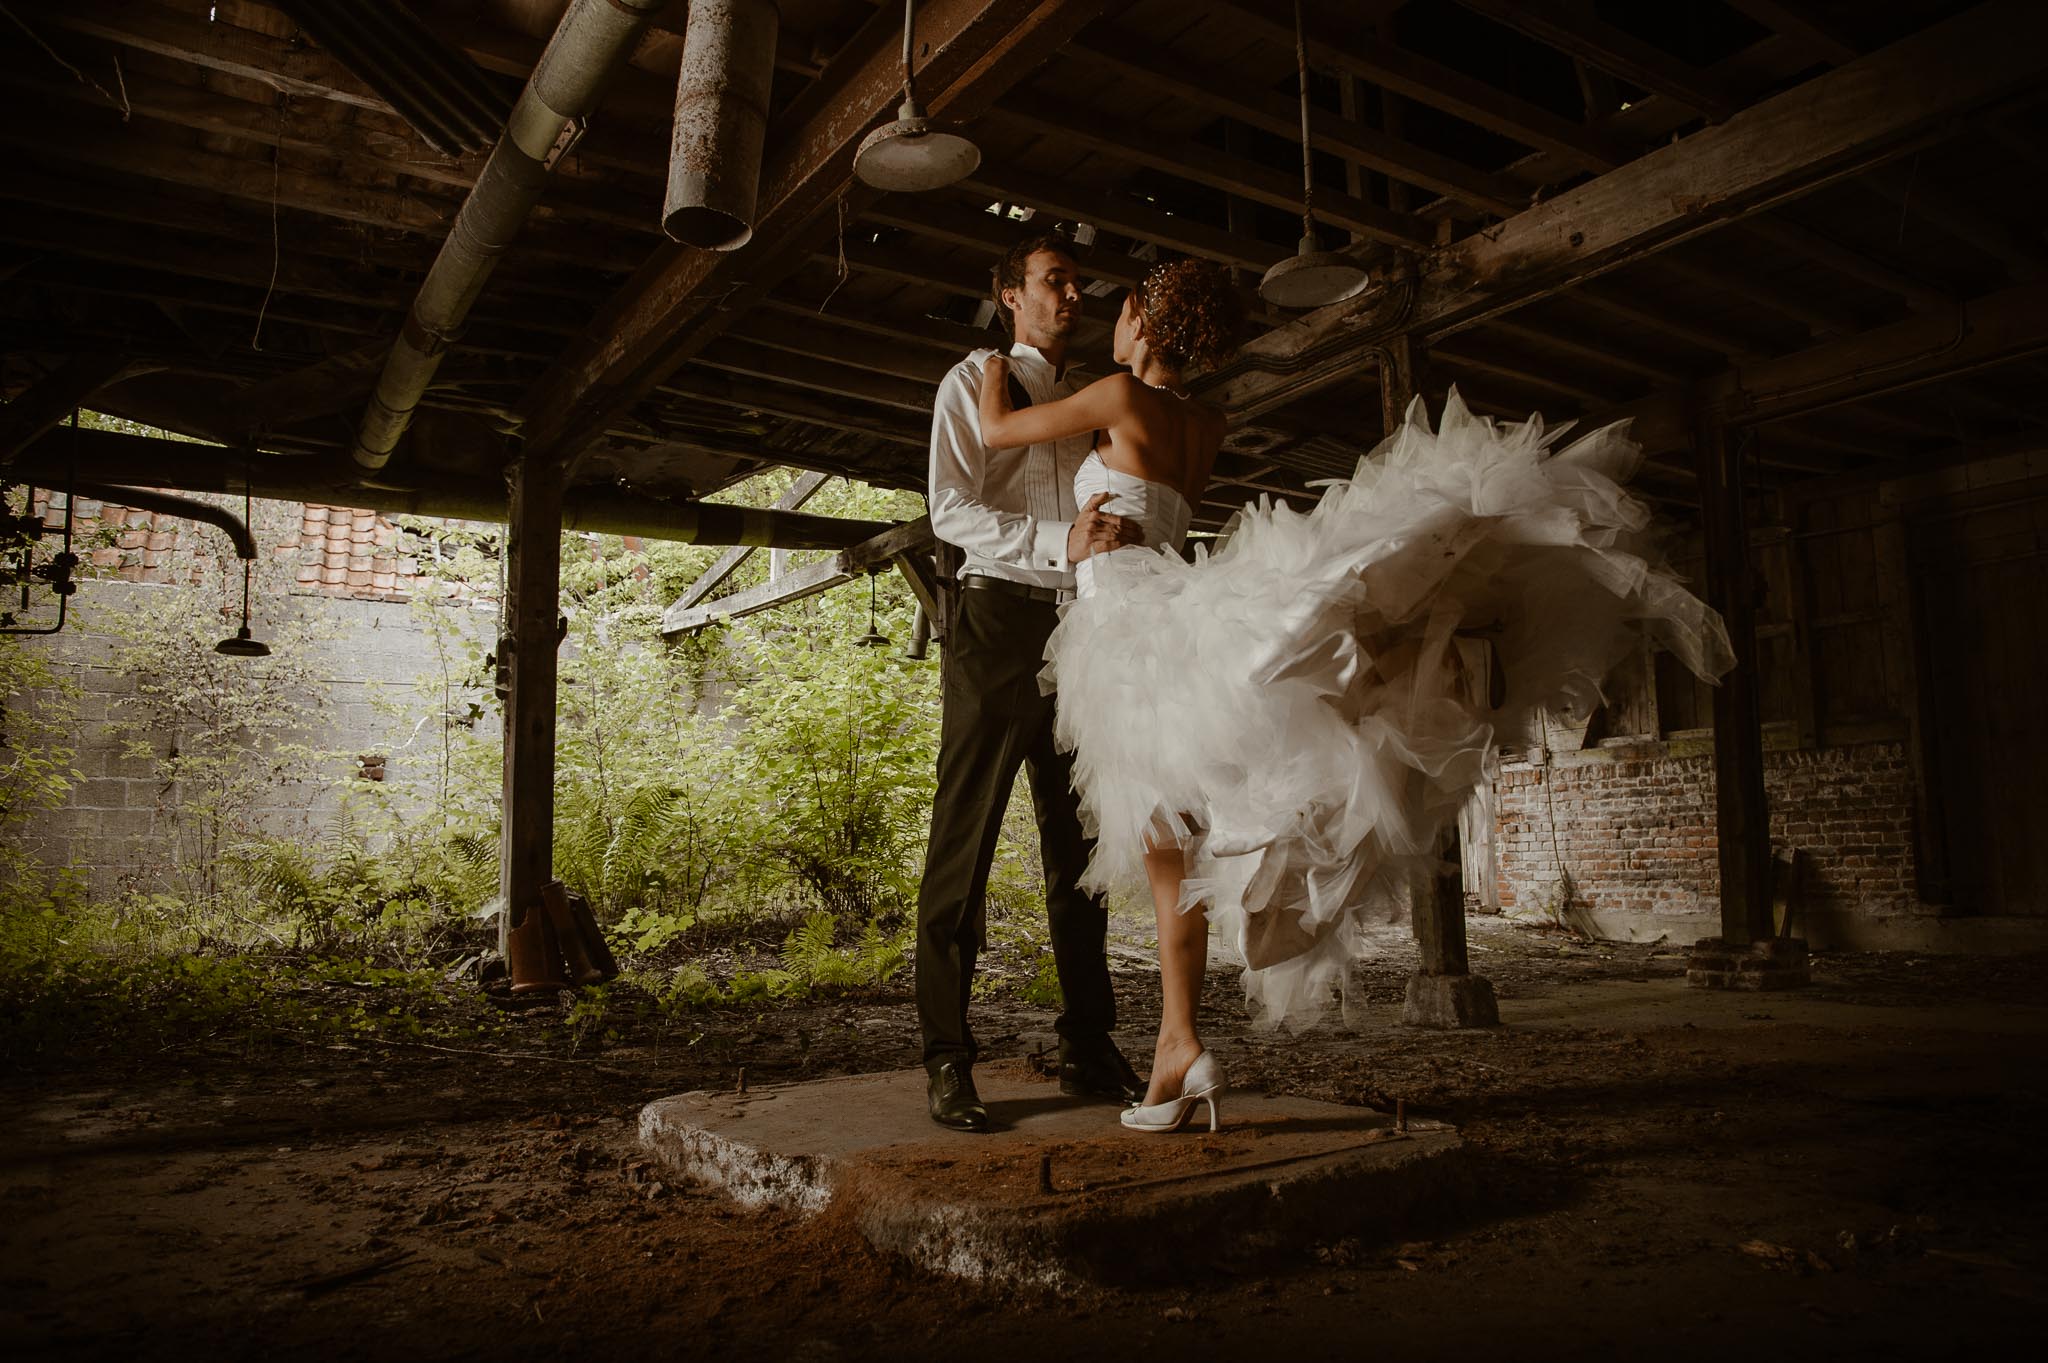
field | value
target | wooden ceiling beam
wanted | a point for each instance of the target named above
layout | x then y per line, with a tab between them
324	195
60	392
1627	305
1578	33
1136	59
1565	340
1202	165
349	153
1922	349
795	404
1460	354
734	355
1766	296
1127	217
1926	195
982	231
1825	41
820	339
907	266
952	338
352	244
1436	86
1834	127
680	300
1797	239
293	68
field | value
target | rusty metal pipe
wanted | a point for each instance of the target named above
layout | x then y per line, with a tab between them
594	38
722	92
185	508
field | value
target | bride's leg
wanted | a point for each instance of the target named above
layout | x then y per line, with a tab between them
1183	960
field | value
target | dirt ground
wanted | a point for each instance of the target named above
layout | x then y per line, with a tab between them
1849	1170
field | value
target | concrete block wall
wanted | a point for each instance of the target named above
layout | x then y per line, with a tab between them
115	825
1633	826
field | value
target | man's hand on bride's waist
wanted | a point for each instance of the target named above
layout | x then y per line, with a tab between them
1097	531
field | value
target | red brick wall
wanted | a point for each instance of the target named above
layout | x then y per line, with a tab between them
1634	827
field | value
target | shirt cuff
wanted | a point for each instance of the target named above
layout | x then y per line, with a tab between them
1049	546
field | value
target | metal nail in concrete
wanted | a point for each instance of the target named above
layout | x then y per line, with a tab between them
1124	1207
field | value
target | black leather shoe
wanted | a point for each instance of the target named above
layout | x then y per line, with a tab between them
1097	1069
955	1104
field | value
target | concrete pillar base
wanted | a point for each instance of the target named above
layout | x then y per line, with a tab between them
1447	1002
1774	963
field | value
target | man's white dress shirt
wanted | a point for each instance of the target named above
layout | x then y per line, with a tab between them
1008	510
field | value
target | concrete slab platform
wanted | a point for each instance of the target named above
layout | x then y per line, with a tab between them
1057	1192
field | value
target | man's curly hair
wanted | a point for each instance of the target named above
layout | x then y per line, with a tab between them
1190	312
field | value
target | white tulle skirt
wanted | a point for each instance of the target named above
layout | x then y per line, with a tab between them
1305	710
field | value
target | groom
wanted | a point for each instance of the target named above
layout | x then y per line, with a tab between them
1012	514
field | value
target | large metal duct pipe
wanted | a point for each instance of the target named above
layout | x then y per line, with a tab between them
714	159
594	38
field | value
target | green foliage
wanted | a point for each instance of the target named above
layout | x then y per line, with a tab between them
764	780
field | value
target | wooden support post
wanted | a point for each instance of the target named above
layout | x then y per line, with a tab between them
534	541
1747	954
1400	379
1443	993
1742	822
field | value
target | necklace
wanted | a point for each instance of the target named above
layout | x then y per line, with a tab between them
1165	388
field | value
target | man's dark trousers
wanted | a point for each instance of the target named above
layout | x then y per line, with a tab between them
995	720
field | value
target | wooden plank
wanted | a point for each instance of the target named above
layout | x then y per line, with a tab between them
1204	165
795	585
353	154
1132	57
793	497
1800	240
1126	216
794	403
735	356
976	50
952	338
1822	39
1835	126
1413	77
51	399
259	182
1578	33
824	339
283	65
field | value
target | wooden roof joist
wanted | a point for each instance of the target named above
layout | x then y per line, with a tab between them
977	50
1127	56
1837	125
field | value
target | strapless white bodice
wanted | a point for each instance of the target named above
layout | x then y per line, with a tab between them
1158	508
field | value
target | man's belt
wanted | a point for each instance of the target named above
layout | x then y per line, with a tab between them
982	582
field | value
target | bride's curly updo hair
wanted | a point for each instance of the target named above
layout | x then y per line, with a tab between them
1191	313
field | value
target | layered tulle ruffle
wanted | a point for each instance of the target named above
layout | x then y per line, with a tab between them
1305	710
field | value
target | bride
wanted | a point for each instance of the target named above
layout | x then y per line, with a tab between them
1279	731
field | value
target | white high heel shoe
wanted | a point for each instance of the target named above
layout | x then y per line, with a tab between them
1203	1083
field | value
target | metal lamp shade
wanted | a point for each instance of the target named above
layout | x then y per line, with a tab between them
1313	279
910	155
242	646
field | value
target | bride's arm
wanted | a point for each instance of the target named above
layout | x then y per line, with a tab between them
1097	407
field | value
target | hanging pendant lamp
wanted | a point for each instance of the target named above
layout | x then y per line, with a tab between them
241	645
911	155
874	638
1310	278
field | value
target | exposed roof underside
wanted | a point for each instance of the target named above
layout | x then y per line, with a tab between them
215	208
